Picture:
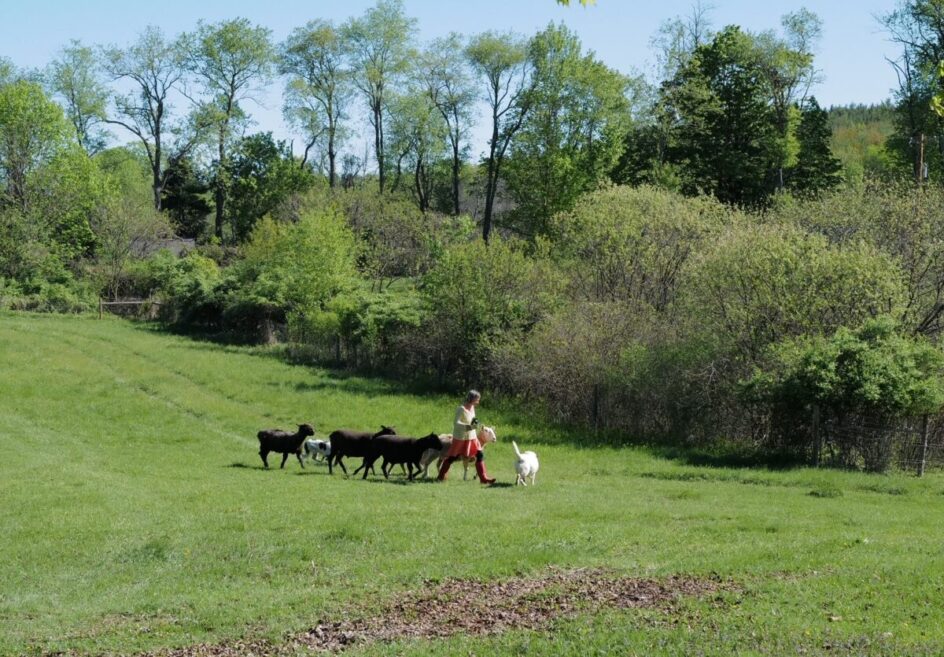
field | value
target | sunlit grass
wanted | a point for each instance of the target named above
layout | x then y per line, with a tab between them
134	514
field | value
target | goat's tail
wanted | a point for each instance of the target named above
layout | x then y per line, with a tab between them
517	451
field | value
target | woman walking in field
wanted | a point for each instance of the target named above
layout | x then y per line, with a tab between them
465	441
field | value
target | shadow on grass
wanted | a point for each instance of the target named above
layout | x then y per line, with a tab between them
400	481
727	457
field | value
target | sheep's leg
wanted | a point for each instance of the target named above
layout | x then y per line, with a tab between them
298	455
341	463
263	453
465	469
386	467
367	466
284	459
409	467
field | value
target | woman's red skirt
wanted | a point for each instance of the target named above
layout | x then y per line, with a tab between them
461	448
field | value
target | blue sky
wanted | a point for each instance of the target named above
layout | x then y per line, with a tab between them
851	54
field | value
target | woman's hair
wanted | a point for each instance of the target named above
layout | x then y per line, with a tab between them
472	396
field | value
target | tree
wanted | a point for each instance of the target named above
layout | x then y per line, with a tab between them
573	133
185	198
318	88
450	88
262	174
417	140
917	26
155	68
229	59
33	130
723	129
7	71
816	169
501	62
380	50
787	64
75	77
124	226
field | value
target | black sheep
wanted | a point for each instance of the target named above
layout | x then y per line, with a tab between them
283	442
348	442
399	449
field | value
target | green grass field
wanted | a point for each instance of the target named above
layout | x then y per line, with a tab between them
135	516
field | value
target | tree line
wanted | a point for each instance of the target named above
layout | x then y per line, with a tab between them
559	120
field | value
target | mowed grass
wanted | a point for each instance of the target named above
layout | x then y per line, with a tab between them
134	515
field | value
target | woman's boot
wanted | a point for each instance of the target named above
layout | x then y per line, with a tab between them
444	468
480	469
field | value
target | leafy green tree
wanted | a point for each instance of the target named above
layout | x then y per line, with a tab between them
125	225
450	87
917	26
417	141
816	169
74	76
33	130
299	267
154	67
501	62
318	89
230	59
787	65
64	195
573	133
379	46
262	175
7	71
724	129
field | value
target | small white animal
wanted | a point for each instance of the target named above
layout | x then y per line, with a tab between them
312	449
526	465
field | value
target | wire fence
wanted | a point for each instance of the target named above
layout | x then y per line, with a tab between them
138	308
876	444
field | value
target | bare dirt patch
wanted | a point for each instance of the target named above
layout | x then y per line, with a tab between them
472	607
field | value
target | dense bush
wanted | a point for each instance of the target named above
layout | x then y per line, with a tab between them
872	372
480	296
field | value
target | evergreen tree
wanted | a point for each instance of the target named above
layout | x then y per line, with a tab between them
185	198
816	169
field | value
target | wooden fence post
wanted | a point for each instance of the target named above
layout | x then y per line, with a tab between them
924	446
100	307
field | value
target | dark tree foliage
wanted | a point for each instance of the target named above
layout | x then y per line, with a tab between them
816	169
263	174
724	130
185	198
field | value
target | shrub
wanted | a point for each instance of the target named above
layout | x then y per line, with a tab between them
481	296
872	372
631	244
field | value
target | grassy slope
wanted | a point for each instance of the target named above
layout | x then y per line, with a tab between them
134	515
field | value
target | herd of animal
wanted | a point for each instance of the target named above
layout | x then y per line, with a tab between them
413	455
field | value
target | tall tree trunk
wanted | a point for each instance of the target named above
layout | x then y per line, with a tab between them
490	180
332	156
220	192
378	144
455	176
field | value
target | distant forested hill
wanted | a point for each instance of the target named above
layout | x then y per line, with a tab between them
859	138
